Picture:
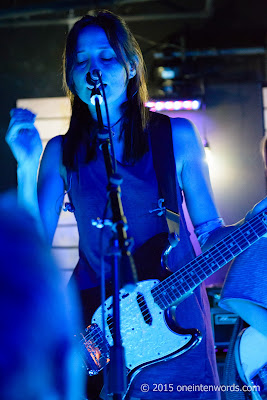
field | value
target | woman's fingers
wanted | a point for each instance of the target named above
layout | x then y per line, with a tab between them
22	136
17	128
22	113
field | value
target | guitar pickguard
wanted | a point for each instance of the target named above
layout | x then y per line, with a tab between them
146	335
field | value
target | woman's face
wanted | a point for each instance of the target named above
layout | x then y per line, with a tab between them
95	52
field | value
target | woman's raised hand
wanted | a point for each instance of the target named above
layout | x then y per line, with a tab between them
23	138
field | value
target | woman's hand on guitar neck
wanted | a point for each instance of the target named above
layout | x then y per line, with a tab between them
261	206
223	231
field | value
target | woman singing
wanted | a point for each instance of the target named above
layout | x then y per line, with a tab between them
145	145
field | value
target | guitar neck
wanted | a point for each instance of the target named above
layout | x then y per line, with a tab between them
186	279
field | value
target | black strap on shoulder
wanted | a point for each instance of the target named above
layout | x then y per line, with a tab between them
165	169
163	159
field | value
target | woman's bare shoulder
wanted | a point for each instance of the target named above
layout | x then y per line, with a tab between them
52	157
187	143
53	150
184	130
55	143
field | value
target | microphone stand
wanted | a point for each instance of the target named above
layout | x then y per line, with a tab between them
121	254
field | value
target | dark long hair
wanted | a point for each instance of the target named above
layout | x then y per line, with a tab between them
135	120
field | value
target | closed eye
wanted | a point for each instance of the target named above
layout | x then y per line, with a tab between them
107	55
81	62
107	58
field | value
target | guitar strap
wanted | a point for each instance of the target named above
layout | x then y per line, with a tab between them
164	166
169	189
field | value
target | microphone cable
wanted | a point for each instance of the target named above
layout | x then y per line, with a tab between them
113	159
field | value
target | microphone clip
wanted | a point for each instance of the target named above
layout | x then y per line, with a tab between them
96	94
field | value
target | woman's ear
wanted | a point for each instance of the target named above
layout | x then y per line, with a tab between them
132	70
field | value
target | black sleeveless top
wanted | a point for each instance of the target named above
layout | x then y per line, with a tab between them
151	178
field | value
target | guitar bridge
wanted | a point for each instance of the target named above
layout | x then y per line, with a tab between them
94	349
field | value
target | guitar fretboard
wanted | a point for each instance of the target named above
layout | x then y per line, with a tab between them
186	279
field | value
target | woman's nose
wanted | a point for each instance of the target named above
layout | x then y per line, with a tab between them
93	78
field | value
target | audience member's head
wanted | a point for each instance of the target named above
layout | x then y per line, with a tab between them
37	357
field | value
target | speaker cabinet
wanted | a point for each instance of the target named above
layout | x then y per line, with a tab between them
222	325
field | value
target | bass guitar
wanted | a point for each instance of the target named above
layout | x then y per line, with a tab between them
148	330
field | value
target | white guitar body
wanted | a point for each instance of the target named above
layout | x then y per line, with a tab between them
251	359
146	336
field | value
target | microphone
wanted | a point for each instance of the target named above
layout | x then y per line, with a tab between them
93	79
93	82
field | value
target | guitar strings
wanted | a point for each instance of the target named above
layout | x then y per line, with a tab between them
235	233
202	264
199	266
